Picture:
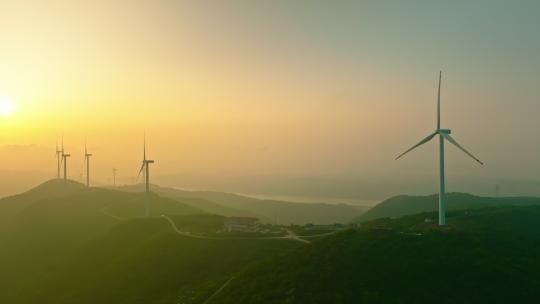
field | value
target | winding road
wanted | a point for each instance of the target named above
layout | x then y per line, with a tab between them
104	211
290	235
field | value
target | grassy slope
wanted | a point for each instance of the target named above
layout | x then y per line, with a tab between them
46	224
144	261
485	256
267	210
62	249
406	205
12	205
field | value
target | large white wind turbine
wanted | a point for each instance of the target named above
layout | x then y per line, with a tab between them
146	167
87	159
443	134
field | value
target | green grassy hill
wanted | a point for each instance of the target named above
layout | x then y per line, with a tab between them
266	210
72	244
54	197
77	245
406	205
44	225
12	205
145	261
483	256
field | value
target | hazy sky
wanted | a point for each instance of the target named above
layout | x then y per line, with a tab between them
271	88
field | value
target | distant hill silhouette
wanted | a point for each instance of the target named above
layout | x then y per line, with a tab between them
198	200
10	206
58	191
267	210
406	205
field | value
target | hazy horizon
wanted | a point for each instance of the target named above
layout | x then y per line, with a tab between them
238	96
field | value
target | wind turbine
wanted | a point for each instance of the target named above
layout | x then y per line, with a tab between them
58	158
146	167
444	134
64	160
87	159
114	176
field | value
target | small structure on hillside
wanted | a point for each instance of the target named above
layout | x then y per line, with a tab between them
241	224
330	227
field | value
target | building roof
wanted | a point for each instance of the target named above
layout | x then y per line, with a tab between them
241	220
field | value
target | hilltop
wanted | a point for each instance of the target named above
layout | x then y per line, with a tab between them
406	205
483	256
270	211
71	193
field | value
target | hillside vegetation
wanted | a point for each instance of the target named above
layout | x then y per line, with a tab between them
144	261
72	244
483	256
75	245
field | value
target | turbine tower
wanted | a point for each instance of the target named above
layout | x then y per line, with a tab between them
59	158
146	167
114	176
64	161
87	159
444	134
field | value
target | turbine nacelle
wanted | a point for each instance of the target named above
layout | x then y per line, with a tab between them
444	131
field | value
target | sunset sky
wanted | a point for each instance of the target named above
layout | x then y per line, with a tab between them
269	88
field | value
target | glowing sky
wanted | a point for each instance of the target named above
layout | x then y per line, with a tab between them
308	88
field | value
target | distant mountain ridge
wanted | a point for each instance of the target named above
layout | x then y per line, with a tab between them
270	211
402	205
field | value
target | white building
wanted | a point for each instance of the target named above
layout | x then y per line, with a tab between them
241	224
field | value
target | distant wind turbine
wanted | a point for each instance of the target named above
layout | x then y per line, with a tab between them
58	158
146	167
443	134
114	176
64	160
87	159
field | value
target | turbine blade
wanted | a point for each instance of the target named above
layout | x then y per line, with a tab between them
455	143
423	141
140	171
439	103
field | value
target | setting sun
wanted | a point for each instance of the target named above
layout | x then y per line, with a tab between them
6	106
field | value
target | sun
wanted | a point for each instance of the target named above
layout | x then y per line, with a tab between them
6	107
